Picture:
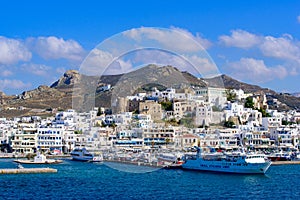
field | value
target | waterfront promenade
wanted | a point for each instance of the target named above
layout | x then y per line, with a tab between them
28	171
122	160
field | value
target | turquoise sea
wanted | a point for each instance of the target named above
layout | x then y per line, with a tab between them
77	180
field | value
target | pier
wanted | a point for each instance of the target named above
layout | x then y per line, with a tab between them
293	162
28	171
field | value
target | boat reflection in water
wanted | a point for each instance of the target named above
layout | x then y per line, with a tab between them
235	162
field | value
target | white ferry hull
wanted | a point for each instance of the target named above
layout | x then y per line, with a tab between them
227	167
83	159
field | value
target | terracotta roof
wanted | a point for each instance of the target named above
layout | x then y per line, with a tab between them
189	136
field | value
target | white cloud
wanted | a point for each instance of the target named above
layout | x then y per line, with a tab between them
13	84
298	19
256	70
100	62
96	62
205	43
175	39
282	47
285	48
13	51
204	66
139	47
60	70
241	39
119	66
56	48
293	71
163	58
160	57
36	69
6	73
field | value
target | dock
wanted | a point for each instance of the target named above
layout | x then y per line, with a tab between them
28	171
293	162
135	163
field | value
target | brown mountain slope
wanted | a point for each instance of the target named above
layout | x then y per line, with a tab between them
289	101
59	94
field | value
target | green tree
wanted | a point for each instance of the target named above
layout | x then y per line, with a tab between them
249	103
78	131
135	112
279	141
245	140
113	125
264	112
172	122
187	121
229	124
99	112
168	140
167	105
216	109
285	123
231	96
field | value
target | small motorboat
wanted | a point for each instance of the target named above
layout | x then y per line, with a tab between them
39	159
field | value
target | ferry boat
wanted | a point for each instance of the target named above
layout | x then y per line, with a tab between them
228	162
82	154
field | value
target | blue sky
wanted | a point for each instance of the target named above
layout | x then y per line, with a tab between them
253	41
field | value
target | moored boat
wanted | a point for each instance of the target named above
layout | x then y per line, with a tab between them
39	159
279	156
167	157
228	162
82	154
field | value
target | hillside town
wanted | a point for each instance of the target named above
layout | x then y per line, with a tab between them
206	117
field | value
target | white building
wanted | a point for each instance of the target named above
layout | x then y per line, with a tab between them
24	140
144	121
66	118
182	108
215	96
240	94
50	138
275	121
203	115
233	110
169	93
285	136
228	138
123	118
69	141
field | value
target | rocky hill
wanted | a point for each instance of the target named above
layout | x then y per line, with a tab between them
88	90
288	101
296	94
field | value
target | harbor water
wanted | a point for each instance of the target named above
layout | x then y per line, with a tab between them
78	180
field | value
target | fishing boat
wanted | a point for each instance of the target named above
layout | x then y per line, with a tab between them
82	154
235	162
279	156
39	159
